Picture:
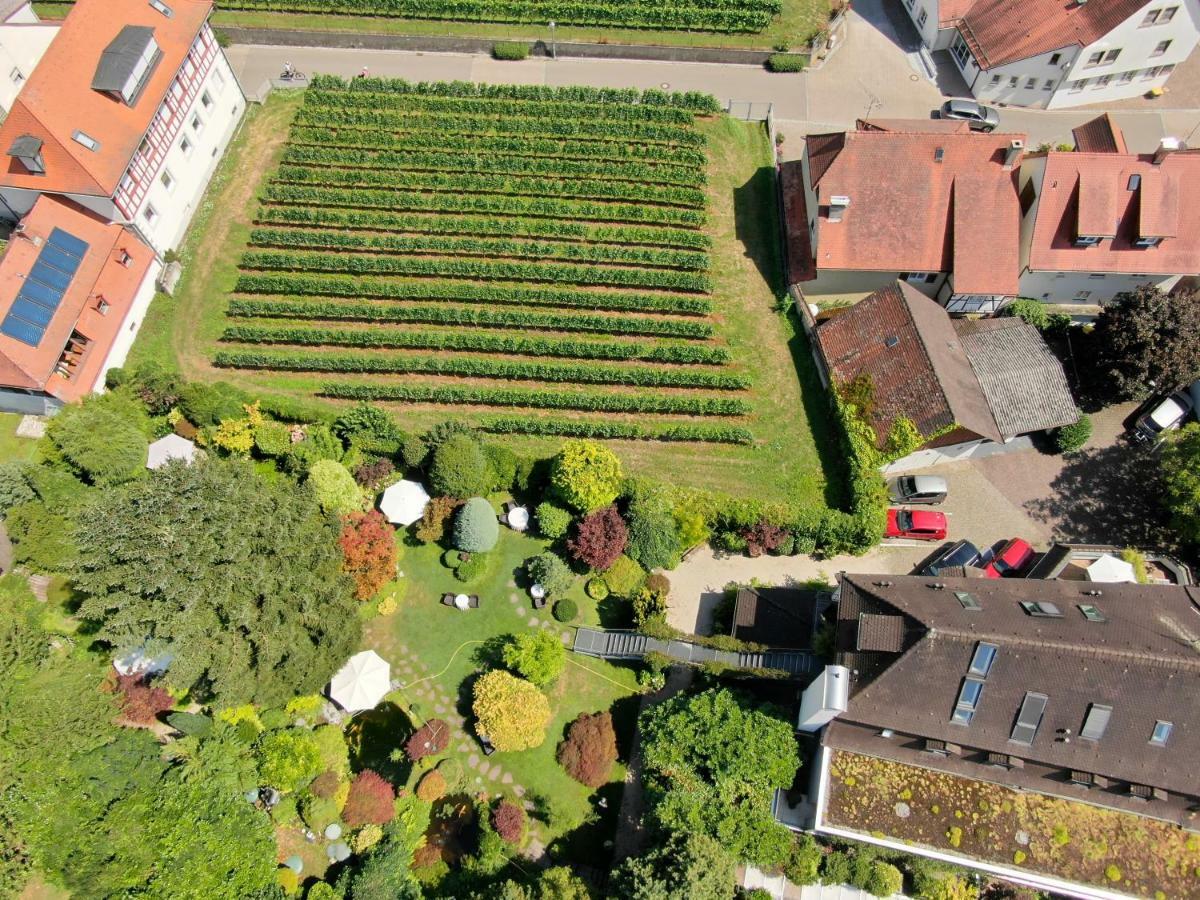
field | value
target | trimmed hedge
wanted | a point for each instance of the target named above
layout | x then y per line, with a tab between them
475	316
716	434
535	399
677	354
482	368
481	294
510	50
787	62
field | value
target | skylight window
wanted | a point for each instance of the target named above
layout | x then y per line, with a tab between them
981	662
1033	707
1097	720
1041	609
968	700
159	6
1162	731
968	601
86	140
1092	613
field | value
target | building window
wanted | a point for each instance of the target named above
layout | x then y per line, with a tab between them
150	214
186	146
86	140
1030	84
995	80
922	18
1049	85
1096	275
206	100
1095	59
919	277
197	124
1012	82
1087	240
1147	242
1160	48
168	181
1076	86
1127	77
218	79
1159	16
1102	82
1103	57
16	75
1162	731
1054	58
1082	295
962	53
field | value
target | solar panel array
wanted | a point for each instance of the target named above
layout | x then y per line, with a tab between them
44	287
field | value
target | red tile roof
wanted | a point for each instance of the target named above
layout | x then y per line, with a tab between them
902	216
1090	193
58	98
1100	135
1004	31
914	126
950	11
100	274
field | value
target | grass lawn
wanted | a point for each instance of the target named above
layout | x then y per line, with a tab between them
788	417
801	19
445	648
12	447
1077	841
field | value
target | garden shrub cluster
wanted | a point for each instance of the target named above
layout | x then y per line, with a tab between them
590	749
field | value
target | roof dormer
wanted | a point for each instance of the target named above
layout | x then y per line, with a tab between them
27	150
127	64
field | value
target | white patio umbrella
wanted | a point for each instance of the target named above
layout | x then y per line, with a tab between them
362	682
1108	568
404	502
168	448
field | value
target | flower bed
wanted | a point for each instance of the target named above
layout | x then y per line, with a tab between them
1061	838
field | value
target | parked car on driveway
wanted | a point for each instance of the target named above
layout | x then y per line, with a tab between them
1011	560
917	489
1165	415
978	116
962	553
918	524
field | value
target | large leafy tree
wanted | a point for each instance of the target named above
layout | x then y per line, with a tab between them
1146	341
687	865
586	475
511	711
537	655
714	762
238	578
368	545
1181	481
103	439
599	538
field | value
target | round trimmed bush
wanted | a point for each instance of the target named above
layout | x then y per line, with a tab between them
476	528
452	559
459	468
1072	437
550	572
471	568
597	588
565	611
586	475
552	521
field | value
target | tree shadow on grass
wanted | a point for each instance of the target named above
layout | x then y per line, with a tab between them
591	843
376	740
757	225
820	416
614	612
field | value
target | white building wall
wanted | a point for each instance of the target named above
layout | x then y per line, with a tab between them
1082	287
1033	169
861	283
924	15
179	183
119	351
1029	82
23	40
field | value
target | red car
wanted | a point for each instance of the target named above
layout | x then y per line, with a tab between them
919	524
1010	560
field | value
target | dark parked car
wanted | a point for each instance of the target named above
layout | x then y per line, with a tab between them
979	117
963	553
1010	560
917	489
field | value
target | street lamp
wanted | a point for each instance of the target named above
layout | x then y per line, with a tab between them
553	42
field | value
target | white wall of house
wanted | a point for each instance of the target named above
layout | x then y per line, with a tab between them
119	351
924	15
178	184
1033	169
859	283
1029	82
23	40
15	203
1083	287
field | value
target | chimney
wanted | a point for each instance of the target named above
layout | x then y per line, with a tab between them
1166	147
838	204
1012	155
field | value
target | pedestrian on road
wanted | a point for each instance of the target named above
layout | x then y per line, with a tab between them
363	73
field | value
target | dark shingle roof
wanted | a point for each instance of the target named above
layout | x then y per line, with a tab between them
776	617
1023	381
1143	661
25	145
880	632
120	57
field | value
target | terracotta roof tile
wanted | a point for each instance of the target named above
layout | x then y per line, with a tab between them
901	212
58	98
950	11
1100	135
1097	203
822	150
915	126
1173	185
795	215
1004	31
986	259
100	274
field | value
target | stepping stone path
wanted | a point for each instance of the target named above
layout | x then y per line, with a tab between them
507	779
566	638
473	760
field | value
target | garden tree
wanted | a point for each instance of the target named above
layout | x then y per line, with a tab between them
430	739
370	429
600	538
15	488
713	763
155	386
459	467
288	759
432	527
167	561
141	701
103	439
318	443
624	577
650	600
552	521
590	749
386	872
686	865
536	655
368	545
586	475
550	572
1032	311
555	883
335	488
372	476
370	800
476	528
1070	438
432	786
1180	463
653	538
1147	340
511	711
803	864
509	821
503	465
43	539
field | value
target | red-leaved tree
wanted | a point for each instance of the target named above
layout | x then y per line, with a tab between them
368	552
509	821
763	537
371	800
324	785
599	538
430	738
590	749
141	702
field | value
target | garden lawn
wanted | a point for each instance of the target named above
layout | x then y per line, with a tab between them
13	447
798	23
443	647
1076	841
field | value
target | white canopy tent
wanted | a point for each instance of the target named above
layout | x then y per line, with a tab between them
362	682
168	448
404	502
1109	569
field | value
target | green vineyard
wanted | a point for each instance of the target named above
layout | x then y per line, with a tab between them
535	259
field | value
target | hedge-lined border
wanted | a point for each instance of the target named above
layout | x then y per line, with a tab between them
716	434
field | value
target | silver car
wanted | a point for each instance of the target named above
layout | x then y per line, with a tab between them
980	117
929	489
